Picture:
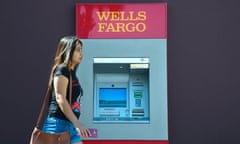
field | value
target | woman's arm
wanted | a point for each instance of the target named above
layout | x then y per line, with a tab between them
60	86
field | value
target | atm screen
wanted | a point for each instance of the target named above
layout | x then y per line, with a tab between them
112	97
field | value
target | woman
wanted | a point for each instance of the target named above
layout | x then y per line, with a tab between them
60	112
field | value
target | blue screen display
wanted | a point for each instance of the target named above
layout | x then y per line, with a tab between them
112	97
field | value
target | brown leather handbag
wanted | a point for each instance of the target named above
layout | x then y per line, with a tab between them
40	137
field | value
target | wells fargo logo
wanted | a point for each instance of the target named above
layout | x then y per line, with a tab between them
121	21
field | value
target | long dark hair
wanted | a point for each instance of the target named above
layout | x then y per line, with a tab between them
65	49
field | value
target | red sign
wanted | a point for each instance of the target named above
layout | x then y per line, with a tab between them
144	20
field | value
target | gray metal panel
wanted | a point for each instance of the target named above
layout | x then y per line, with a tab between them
156	50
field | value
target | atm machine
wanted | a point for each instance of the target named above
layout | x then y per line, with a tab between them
125	88
121	90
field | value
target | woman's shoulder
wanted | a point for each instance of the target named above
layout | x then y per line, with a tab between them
62	66
61	69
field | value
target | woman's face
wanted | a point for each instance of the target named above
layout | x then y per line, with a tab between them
77	54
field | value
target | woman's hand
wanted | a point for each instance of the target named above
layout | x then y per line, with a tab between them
82	130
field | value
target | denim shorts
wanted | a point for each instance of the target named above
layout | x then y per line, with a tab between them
56	125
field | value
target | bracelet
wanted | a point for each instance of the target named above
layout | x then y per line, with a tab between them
77	129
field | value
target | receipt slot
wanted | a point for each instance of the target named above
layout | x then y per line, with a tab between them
121	90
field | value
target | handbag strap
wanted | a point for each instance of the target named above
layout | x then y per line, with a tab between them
45	102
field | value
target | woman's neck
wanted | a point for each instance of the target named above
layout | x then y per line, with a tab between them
72	67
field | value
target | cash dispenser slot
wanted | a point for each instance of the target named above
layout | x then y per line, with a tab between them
110	113
138	112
